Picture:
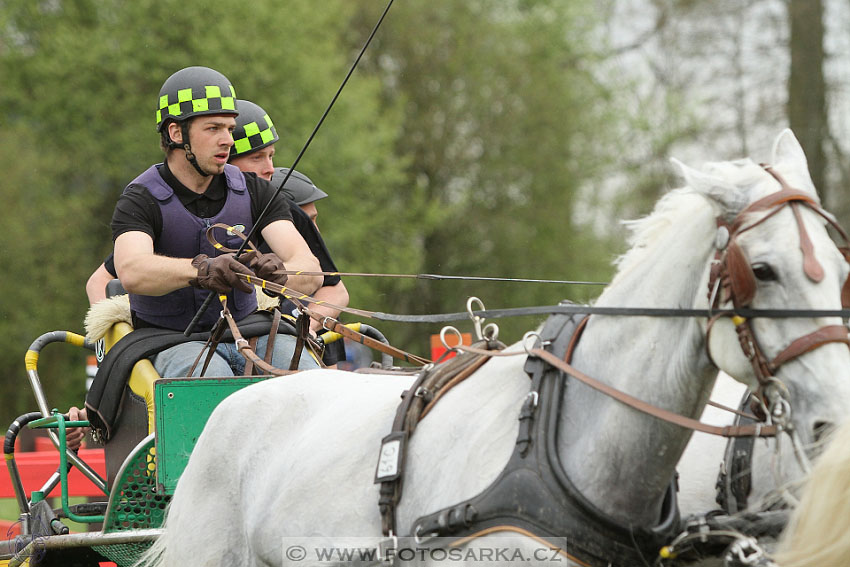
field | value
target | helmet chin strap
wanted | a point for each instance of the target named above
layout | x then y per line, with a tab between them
190	157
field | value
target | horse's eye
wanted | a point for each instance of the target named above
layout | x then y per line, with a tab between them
764	272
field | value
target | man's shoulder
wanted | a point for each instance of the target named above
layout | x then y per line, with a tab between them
136	192
257	185
146	175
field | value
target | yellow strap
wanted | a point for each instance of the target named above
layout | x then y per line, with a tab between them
31	360
74	338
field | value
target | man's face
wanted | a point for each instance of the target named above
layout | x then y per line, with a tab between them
312	212
260	162
211	137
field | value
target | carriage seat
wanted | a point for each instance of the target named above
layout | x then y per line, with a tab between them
114	288
120	402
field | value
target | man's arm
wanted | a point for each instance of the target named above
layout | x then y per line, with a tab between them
287	243
96	285
335	294
145	273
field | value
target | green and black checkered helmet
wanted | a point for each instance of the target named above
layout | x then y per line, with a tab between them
194	91
254	129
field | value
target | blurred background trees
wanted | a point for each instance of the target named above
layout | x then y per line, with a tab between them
478	137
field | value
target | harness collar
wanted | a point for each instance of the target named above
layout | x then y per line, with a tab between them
533	492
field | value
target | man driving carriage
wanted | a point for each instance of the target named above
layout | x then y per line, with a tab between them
160	222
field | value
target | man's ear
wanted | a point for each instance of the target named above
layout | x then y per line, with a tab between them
175	132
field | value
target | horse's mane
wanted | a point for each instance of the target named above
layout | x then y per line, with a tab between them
817	533
649	232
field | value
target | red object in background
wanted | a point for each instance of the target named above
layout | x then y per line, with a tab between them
9	529
36	467
43	444
437	348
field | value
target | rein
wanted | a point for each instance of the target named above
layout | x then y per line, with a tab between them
751	430
572	309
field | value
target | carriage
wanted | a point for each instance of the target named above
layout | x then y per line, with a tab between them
147	426
531	458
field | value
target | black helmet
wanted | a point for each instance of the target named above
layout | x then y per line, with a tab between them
254	129
298	187
194	91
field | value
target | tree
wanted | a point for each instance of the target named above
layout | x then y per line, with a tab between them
504	120
807	110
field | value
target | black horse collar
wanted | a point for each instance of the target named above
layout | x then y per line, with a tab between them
533	493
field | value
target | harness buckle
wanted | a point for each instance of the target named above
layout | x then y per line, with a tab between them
746	551
424	393
476	319
387	548
536	336
420	538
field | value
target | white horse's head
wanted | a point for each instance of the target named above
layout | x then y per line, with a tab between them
771	254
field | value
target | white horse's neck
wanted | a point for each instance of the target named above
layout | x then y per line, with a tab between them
626	457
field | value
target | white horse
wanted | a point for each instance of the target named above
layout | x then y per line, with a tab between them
296	456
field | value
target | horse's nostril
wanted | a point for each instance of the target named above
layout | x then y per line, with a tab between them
821	429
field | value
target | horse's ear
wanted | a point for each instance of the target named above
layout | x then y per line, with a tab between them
788	156
725	194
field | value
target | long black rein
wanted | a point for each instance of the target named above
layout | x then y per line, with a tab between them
550	309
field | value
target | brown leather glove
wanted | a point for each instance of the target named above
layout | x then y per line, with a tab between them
267	266
219	274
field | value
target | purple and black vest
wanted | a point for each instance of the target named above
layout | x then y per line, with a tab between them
184	236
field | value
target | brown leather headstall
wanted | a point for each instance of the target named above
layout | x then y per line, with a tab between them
732	280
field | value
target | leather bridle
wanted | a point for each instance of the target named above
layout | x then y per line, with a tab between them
732	280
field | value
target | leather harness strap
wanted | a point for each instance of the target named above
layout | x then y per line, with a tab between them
336	326
802	345
276	317
431	383
302	329
660	413
249	365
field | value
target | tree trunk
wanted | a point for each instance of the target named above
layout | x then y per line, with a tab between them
807	112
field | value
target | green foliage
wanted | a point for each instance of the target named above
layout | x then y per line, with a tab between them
462	145
502	123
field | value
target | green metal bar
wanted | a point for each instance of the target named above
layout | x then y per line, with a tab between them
51	422
63	474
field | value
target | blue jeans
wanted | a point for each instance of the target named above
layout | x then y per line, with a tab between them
227	361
